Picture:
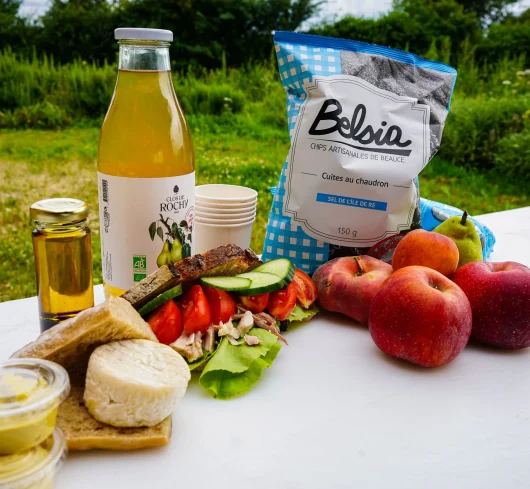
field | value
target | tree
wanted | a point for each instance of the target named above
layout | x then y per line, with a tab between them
523	18
435	19
487	10
411	25
8	20
78	29
15	32
205	29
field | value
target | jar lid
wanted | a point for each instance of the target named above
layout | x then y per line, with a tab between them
142	34
28	385
62	210
34	466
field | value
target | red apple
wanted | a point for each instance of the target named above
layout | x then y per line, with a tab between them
349	283
499	294
420	316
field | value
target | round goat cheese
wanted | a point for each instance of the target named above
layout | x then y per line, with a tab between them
134	383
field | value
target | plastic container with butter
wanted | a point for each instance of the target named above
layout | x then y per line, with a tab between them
35	468
31	391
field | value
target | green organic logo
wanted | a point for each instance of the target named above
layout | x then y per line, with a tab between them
139	267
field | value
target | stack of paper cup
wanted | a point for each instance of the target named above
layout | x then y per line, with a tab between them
224	214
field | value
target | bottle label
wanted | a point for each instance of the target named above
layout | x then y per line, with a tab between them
145	223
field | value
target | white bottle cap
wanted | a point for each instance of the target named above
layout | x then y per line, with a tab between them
143	34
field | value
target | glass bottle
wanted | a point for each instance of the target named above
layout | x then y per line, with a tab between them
146	169
63	259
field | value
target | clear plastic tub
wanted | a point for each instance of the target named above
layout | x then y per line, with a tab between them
35	468
31	391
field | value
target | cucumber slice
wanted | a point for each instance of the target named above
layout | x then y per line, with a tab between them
281	267
261	283
230	284
160	300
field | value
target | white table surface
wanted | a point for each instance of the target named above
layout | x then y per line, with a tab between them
334	412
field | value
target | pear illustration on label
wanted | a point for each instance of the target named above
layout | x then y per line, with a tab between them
176	238
164	256
176	251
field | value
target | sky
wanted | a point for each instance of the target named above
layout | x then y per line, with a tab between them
367	8
332	7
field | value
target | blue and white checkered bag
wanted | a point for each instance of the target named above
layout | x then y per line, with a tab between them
364	120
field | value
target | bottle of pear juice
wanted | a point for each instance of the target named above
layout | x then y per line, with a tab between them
146	171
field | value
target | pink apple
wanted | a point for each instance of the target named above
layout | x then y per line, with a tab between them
348	284
499	294
420	316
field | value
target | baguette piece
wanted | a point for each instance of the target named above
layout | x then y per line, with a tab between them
226	260
83	432
71	342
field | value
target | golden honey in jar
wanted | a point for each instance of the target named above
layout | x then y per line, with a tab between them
63	259
146	169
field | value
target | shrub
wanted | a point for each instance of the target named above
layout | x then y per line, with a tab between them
512	156
80	89
475	126
504	39
44	115
200	98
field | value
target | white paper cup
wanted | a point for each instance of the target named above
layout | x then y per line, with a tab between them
208	236
225	193
219	205
213	211
224	222
223	217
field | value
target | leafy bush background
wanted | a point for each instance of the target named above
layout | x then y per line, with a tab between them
487	127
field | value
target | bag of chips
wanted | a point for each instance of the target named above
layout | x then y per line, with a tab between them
364	120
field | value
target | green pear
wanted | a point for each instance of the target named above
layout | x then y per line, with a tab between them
163	258
462	231
176	252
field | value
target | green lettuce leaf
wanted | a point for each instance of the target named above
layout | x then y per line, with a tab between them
301	314
234	370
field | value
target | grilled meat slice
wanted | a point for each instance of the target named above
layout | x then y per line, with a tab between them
226	260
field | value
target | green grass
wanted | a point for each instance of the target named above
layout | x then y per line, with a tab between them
35	164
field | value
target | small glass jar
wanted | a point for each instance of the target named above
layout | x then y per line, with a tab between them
63	259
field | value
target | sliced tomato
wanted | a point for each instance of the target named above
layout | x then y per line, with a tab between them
282	302
222	306
196	314
306	289
255	303
166	322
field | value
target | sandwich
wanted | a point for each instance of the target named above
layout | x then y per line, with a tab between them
200	313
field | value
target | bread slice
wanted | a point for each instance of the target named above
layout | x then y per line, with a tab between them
83	432
71	342
226	260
